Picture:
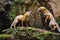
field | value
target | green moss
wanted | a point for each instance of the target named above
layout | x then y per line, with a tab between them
30	33
19	1
3	36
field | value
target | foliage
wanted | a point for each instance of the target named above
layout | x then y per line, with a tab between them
19	1
5	36
12	14
58	21
29	33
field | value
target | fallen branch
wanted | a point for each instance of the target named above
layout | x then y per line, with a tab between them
34	29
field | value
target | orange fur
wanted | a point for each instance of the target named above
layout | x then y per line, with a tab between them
21	18
47	18
52	20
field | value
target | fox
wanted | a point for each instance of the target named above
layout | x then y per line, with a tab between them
21	18
52	22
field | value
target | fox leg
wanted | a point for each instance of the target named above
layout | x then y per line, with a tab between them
22	23
15	28
47	17
15	22
14	25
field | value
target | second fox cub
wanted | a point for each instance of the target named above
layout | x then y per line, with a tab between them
52	23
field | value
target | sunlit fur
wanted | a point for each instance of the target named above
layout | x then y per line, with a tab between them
21	18
52	20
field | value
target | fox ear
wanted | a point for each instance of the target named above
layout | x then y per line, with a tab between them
44	9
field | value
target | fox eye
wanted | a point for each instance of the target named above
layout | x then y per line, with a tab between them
55	25
43	10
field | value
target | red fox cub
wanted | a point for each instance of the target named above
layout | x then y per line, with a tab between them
21	18
52	23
